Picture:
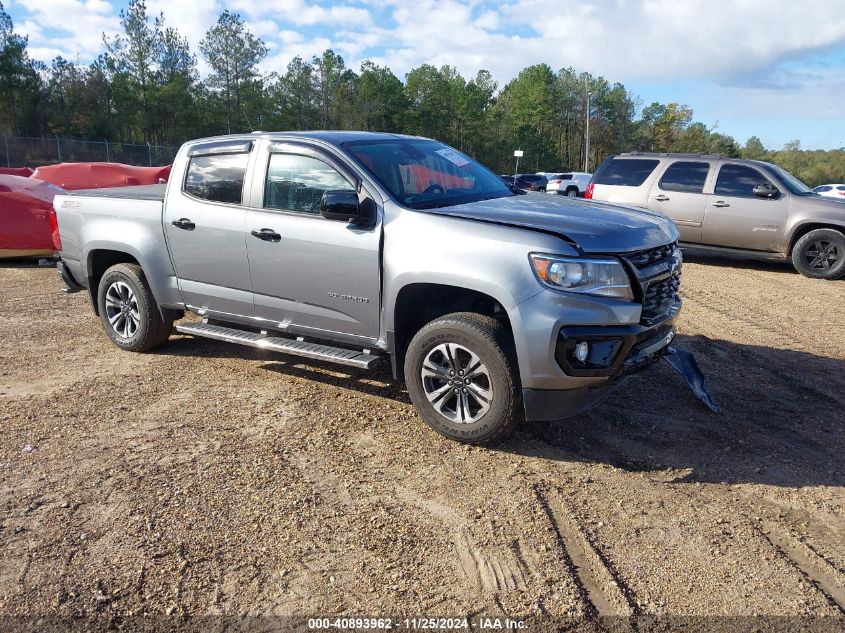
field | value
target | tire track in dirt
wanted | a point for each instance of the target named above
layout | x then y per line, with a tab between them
600	586
818	572
502	571
489	570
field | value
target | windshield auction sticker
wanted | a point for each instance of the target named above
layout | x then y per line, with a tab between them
453	156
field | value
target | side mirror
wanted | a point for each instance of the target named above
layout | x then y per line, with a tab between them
766	190
341	205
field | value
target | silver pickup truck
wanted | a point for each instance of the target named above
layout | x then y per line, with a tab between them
353	247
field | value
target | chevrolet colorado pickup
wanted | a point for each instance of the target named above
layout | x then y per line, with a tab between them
354	247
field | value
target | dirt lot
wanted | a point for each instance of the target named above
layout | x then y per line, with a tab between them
205	479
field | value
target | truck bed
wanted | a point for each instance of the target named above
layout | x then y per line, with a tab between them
137	192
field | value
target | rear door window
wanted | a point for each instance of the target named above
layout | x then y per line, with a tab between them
217	177
685	176
625	172
738	180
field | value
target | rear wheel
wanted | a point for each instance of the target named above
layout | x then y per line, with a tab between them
820	254
129	311
572	192
462	378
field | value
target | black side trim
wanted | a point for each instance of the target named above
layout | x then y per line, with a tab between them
220	147
67	278
394	356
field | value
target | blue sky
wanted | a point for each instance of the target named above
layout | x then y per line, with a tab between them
771	68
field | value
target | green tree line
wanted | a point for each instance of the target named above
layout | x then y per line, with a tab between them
145	87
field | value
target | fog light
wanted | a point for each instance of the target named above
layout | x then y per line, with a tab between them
582	351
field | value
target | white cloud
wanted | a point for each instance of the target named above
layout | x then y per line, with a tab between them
301	12
71	28
192	19
667	39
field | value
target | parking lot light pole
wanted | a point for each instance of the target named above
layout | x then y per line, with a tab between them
587	148
518	153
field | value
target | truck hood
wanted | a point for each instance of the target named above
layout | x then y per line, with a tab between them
592	226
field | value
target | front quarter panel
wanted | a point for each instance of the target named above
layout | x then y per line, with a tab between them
815	211
422	247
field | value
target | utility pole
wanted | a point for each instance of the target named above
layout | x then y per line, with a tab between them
587	149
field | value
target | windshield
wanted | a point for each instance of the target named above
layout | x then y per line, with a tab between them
790	182
424	174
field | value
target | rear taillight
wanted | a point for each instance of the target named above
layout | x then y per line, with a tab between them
589	192
54	229
554	182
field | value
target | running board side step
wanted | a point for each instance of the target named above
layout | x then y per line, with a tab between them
340	355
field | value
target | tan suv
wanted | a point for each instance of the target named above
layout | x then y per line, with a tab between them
731	204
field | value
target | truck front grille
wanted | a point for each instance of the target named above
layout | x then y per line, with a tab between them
657	274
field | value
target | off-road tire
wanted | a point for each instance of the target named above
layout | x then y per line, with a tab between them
152	330
492	343
807	245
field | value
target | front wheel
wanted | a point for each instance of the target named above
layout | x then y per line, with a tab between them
462	378
129	311
820	254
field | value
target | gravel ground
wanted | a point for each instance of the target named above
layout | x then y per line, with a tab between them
210	480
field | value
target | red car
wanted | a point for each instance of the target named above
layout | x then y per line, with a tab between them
27	221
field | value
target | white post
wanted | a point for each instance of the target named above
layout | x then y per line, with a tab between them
518	153
587	152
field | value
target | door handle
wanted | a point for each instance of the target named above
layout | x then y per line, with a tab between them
720	203
661	198
184	223
268	235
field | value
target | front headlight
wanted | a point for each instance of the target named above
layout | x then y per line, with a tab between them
605	277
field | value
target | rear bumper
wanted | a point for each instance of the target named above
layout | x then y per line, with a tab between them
71	284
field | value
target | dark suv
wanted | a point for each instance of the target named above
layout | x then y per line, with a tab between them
531	182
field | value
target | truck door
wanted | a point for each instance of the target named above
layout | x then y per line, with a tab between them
680	194
738	218
309	274
204	224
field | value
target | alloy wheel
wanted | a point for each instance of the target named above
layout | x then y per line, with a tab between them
822	255
122	309
457	383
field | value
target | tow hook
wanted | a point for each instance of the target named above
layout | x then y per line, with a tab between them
684	363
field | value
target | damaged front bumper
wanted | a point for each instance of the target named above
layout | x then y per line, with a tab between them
612	352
